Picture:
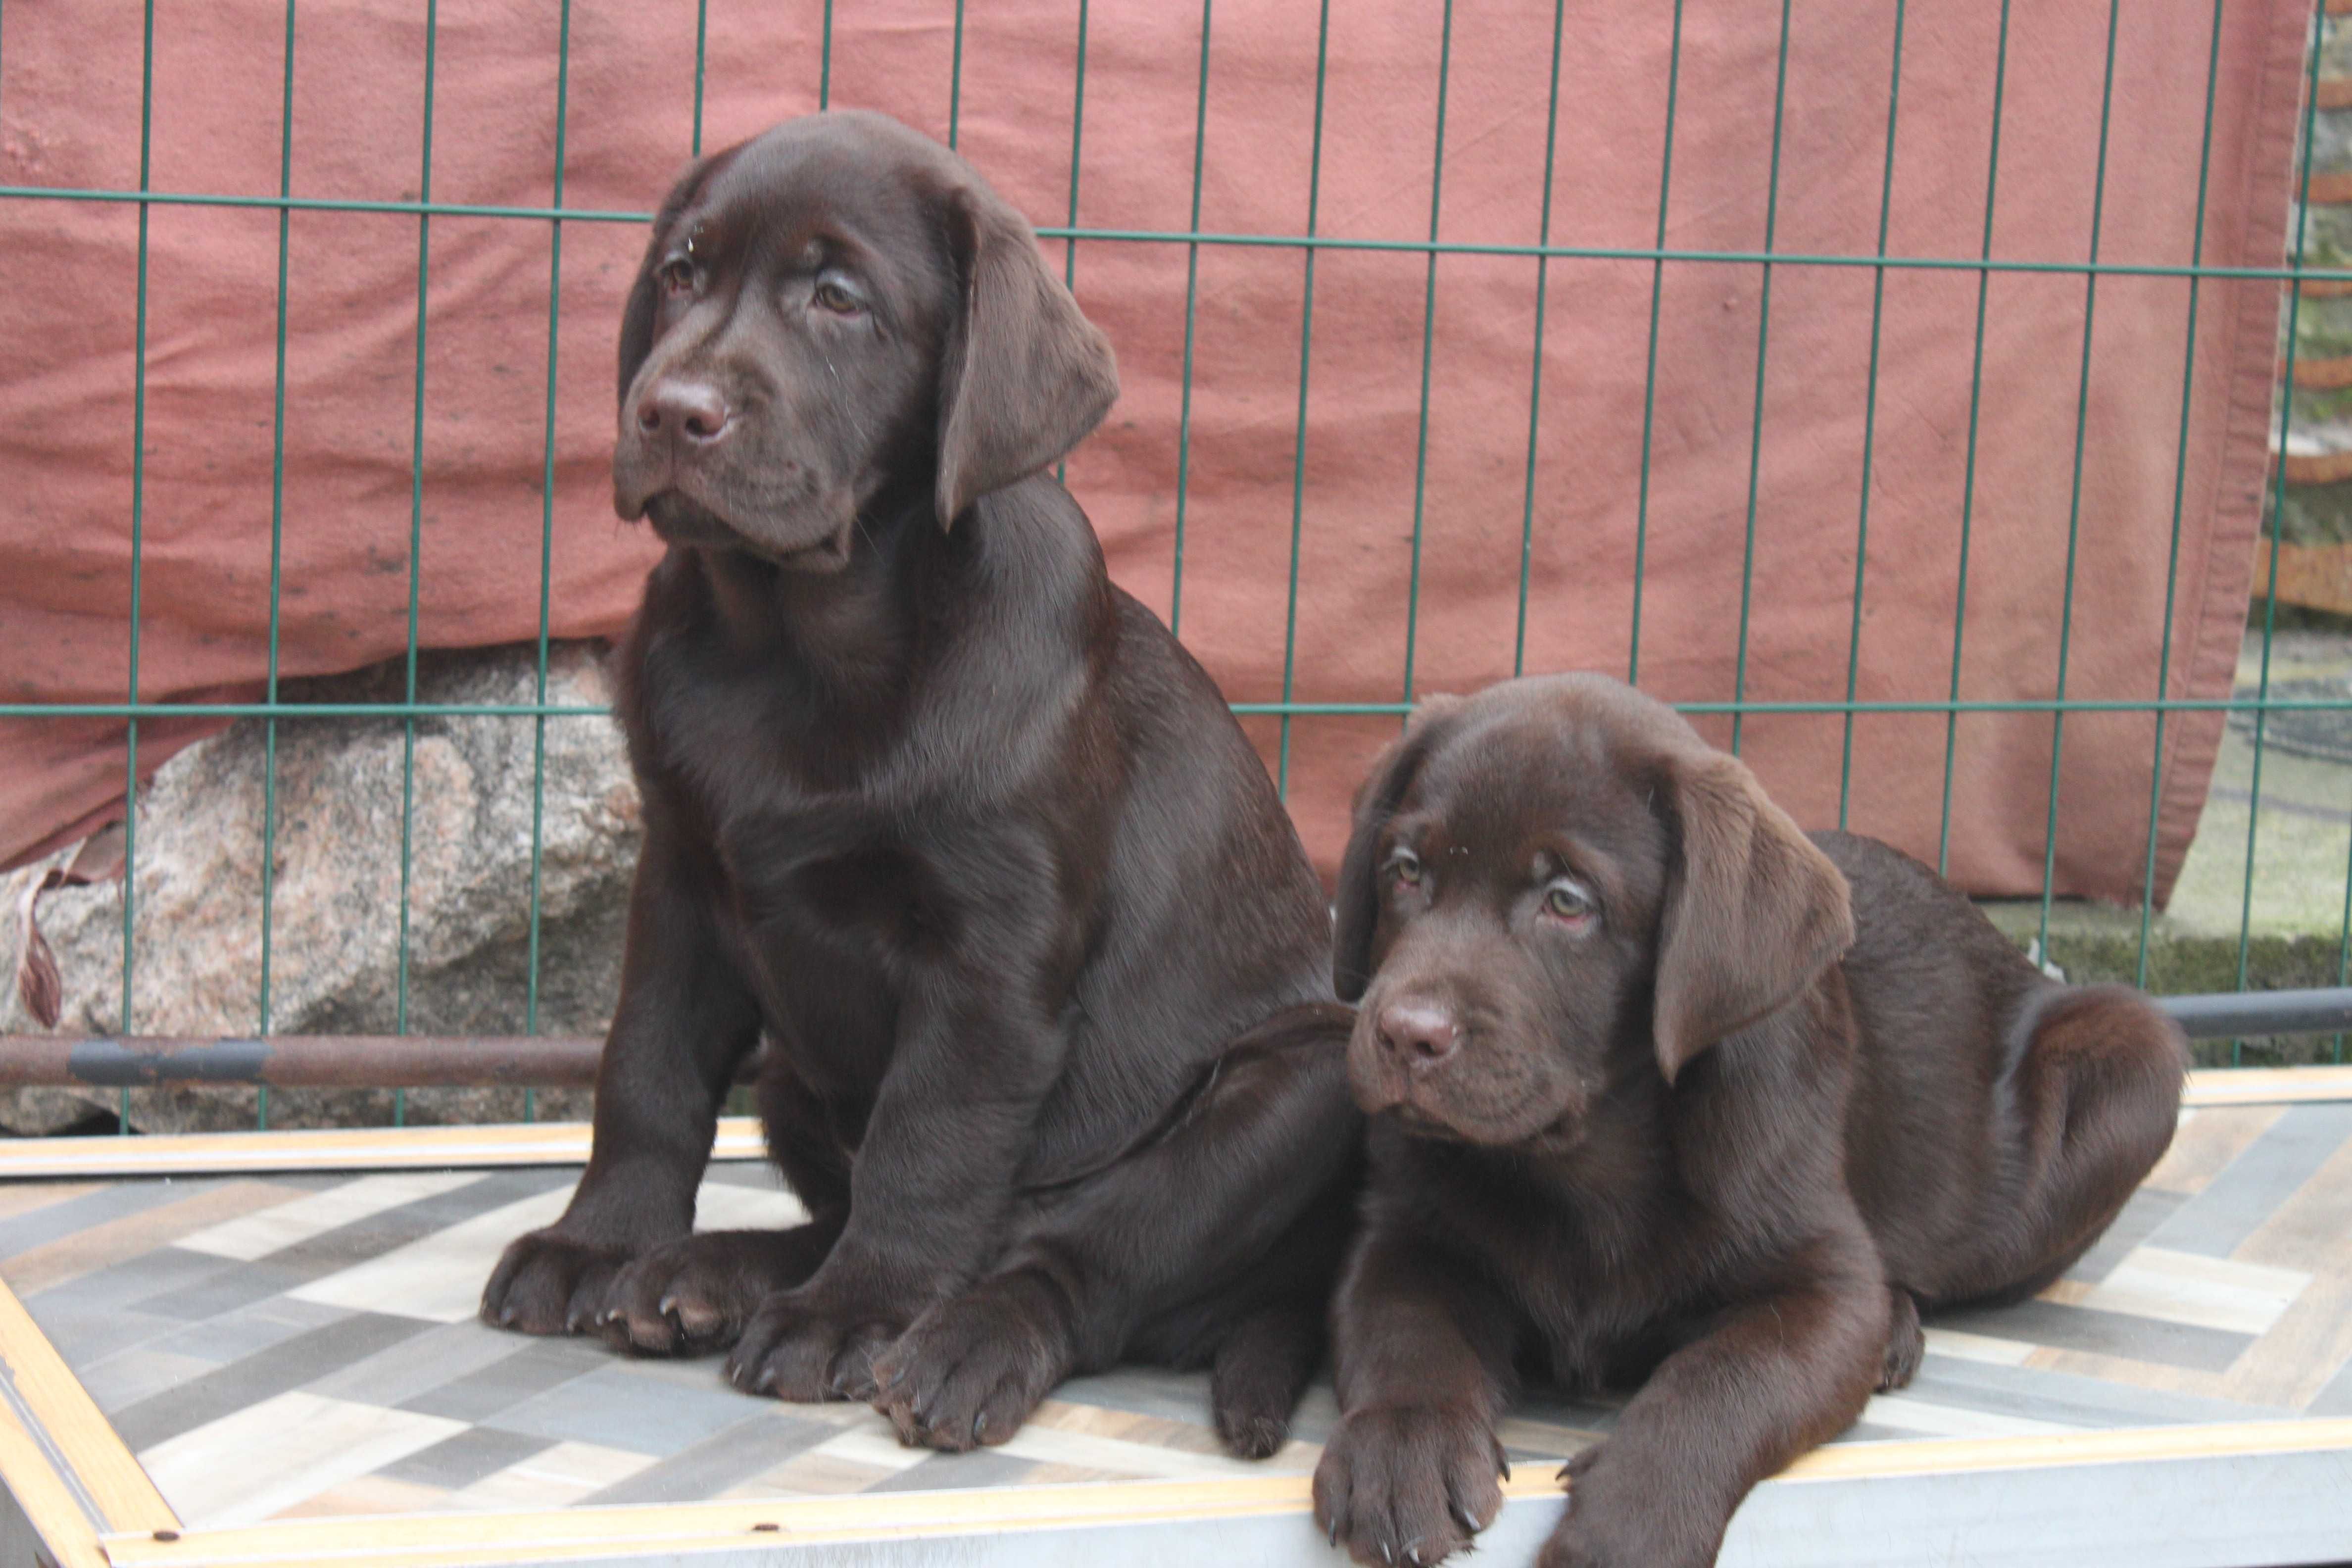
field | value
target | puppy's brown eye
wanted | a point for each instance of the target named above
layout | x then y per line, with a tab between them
1568	899
836	297
1403	867
676	277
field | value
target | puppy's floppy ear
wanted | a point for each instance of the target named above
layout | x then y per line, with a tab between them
1753	911
1023	375
638	315
1357	907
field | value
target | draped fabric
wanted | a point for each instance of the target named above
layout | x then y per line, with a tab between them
2137	480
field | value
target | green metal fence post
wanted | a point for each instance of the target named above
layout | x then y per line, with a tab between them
1649	374
1869	428
1305	355
1763	338
1968	469
1428	341
1535	374
415	546
1191	304
2179	489
2278	503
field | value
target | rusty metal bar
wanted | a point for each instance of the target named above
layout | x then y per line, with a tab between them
302	1061
568	1061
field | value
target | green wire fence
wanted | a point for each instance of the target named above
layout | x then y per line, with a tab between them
1309	244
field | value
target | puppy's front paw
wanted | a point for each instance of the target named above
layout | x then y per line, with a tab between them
1608	1526
687	1297
548	1283
1409	1484
808	1346
971	1369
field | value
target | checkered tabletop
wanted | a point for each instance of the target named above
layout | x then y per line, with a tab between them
302	1345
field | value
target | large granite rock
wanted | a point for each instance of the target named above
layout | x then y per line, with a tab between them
335	940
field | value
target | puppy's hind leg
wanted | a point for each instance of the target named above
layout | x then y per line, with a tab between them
2095	1095
1260	1369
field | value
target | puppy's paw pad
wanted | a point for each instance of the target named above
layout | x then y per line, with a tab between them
677	1300
797	1350
1408	1484
1252	1436
546	1283
970	1371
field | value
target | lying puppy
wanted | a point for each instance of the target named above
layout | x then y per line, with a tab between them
1647	1108
1052	1055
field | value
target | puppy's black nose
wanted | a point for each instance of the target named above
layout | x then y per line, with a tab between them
1418	1030
691	410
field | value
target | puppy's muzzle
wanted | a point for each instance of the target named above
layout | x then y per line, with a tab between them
1417	1033
1403	1038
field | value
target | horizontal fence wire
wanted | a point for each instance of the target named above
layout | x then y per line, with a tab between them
2285	272
1310	243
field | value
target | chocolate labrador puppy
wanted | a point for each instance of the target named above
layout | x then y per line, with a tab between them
954	827
1657	1101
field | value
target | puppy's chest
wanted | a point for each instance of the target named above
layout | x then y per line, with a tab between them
809	824
1602	1275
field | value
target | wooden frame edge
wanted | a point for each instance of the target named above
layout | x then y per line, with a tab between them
135	1528
446	1540
45	1498
50	1397
331	1148
566	1142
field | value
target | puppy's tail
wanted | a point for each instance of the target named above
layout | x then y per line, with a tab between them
1260	1371
2097	1093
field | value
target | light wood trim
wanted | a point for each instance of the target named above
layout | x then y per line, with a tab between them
566	1142
2266	1086
47	1502
2133	1444
333	1149
53	1397
443	1541
451	1538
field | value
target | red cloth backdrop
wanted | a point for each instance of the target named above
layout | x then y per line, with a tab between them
70	116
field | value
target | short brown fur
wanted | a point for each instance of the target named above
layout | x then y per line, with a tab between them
948	827
1668	1096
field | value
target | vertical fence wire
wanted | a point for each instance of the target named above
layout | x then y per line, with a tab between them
1650	372
1869	429
2074	498
2179	492
2278	499
277	550
955	78
138	537
1078	132
824	62
1969	463
1535	374
547	531
1306	358
415	550
1192	305
1763	339
702	61
1428	343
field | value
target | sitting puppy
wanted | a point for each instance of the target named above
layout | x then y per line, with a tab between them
1647	1108
1051	1053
